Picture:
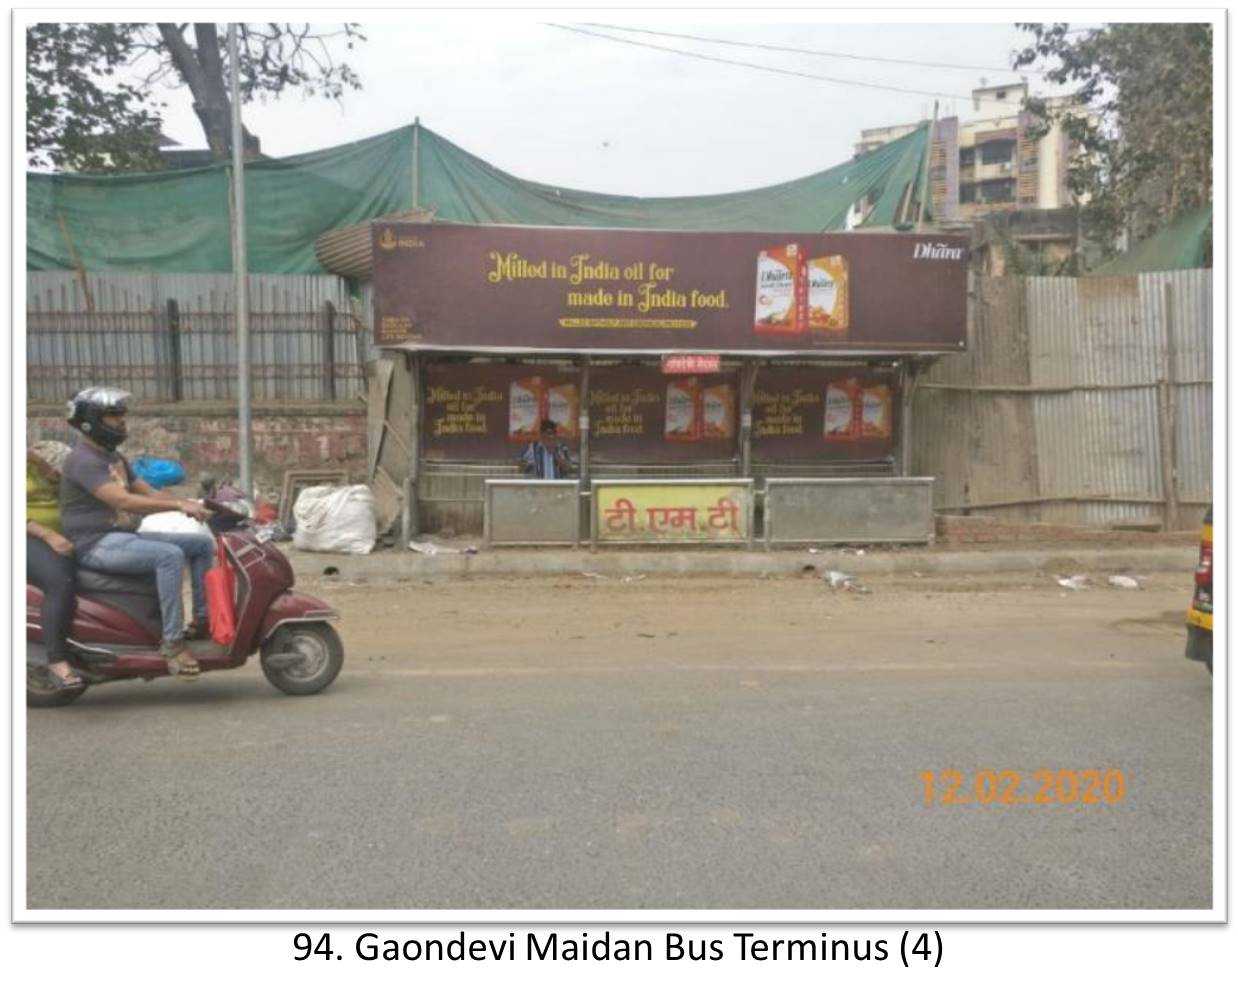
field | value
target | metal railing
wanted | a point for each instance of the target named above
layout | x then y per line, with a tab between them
170	337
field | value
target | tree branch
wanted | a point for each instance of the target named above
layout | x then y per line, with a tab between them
183	59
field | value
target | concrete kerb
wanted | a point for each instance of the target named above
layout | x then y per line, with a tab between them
390	564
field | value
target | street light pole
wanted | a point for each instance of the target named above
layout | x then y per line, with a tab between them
240	273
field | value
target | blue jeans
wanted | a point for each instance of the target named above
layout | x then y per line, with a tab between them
164	555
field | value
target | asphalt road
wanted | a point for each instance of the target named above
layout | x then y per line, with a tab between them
650	744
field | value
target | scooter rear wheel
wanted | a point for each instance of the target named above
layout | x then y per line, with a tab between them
321	656
40	692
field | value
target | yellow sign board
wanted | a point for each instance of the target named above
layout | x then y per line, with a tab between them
652	511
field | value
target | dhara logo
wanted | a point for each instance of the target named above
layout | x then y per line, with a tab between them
936	250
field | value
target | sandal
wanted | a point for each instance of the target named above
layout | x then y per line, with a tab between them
180	661
199	629
65	682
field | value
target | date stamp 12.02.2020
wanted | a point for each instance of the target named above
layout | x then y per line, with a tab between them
1044	787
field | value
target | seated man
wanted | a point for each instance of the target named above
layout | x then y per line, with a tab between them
547	458
101	502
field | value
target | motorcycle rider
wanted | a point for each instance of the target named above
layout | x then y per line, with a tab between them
101	503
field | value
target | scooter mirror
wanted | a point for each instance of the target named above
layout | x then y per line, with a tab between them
225	519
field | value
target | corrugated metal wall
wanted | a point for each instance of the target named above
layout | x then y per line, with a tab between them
118	328
363	316
1057	411
980	443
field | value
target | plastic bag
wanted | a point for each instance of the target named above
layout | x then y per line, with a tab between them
172	522
335	519
157	472
265	512
223	491
220	584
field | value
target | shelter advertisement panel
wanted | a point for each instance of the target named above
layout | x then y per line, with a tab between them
637	414
810	414
672	512
491	411
591	290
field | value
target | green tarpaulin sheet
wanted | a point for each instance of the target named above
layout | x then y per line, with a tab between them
179	221
1182	245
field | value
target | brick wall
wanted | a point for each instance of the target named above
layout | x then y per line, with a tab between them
204	439
970	529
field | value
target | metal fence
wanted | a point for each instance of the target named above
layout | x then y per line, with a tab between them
170	337
800	510
1081	400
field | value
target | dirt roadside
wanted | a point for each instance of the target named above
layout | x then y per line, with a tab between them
469	620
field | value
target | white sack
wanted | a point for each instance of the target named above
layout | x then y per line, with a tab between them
173	522
335	520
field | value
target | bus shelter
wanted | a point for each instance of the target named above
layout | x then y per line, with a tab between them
719	387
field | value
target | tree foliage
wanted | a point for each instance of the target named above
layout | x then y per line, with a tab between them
1140	121
78	114
92	90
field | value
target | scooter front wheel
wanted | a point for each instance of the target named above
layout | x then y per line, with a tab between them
41	693
302	658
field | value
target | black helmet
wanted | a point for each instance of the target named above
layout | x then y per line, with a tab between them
87	409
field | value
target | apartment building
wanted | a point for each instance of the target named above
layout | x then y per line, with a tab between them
992	164
989	162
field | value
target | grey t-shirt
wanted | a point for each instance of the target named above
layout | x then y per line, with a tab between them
83	517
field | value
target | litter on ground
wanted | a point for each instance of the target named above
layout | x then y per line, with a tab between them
839	581
1077	583
433	549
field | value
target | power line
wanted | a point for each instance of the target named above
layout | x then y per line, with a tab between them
811	51
775	69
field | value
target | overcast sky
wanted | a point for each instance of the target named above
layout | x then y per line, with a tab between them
564	108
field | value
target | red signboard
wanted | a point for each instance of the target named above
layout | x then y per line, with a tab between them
578	290
691	363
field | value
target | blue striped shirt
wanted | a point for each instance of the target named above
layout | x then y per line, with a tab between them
539	460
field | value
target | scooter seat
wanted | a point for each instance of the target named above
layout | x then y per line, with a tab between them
115	584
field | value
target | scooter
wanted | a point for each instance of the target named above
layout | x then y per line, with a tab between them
116	625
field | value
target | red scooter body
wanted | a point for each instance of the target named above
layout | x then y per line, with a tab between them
115	630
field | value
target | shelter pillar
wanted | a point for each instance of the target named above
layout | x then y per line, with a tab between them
747	385
409	526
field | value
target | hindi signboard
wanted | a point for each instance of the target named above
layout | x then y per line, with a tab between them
583	290
692	363
667	511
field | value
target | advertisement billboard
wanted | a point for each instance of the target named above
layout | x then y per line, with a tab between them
576	290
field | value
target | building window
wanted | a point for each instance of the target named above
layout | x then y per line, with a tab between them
967	193
994	191
1001	151
967	156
